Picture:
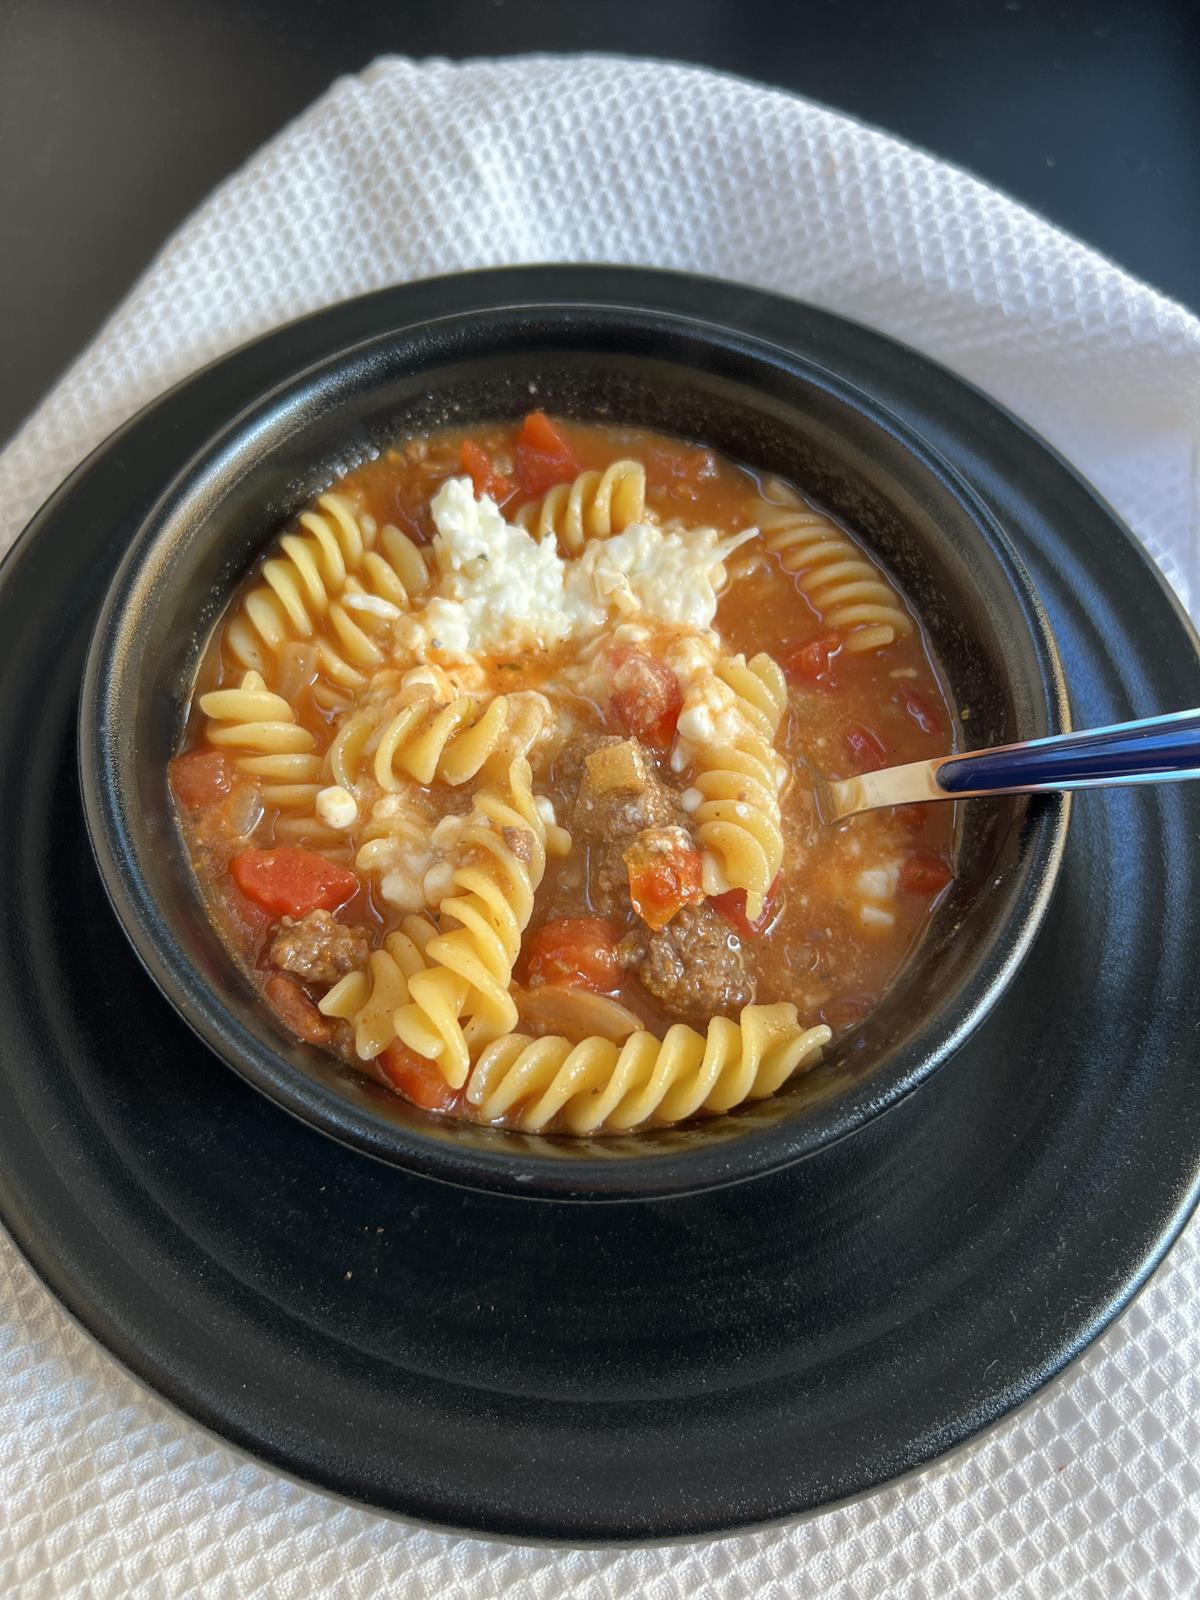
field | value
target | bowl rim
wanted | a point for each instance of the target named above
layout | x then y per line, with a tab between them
523	1172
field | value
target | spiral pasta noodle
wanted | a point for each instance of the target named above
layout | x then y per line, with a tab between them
846	590
598	1086
280	753
452	743
464	999
594	506
331	584
369	1000
738	826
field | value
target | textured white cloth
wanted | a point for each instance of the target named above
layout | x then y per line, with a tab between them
408	171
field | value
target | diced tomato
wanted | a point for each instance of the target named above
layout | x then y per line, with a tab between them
664	876
580	952
544	455
288	881
474	459
811	662
415	1078
911	817
200	778
732	906
646	697
924	873
675	465
865	749
295	1008
919	709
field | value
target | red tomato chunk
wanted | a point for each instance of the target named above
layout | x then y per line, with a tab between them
923	873
662	881
288	881
201	778
920	710
732	906
475	460
646	697
809	663
580	952
544	455
415	1078
865	749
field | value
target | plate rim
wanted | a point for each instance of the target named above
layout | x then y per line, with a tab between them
1132	1282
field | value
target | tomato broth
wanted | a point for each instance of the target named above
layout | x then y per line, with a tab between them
312	882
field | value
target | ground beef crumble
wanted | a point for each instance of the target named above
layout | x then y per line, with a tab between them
696	966
318	948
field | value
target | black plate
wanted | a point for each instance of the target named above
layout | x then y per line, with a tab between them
620	1372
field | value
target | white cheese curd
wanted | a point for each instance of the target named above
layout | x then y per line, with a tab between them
876	889
402	853
878	883
875	917
438	881
500	588
336	807
710	719
670	576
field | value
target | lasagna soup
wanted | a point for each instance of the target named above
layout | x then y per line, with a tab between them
496	777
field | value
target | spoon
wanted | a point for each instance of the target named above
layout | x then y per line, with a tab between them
1154	750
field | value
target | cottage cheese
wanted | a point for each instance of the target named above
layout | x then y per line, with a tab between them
672	577
500	588
710	719
336	807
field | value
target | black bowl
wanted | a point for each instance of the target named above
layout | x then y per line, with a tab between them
760	404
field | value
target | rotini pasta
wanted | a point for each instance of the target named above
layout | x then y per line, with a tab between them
737	819
594	506
280	753
464	998
846	591
452	743
369	1000
331	585
598	1085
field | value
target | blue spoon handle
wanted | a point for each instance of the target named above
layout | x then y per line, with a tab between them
1148	751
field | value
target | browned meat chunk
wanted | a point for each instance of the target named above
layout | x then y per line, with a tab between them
319	948
695	967
296	1010
609	819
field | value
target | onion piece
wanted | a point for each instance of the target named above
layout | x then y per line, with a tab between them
575	1013
297	667
243	809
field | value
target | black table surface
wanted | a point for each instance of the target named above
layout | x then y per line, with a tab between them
118	116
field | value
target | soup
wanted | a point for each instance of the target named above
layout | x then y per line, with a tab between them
496	777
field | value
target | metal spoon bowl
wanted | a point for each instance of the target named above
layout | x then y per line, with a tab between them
1161	749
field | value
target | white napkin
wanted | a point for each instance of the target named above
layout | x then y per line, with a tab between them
411	170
